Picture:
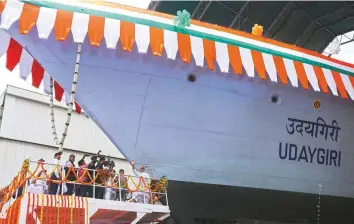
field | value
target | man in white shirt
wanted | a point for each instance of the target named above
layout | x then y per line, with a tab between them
143	193
56	175
39	184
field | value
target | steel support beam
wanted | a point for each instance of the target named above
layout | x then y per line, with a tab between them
201	9
316	21
153	5
286	7
277	18
139	216
332	23
347	42
334	11
238	15
337	21
163	217
343	42
313	21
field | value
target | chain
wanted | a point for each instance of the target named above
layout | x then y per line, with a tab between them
319	203
72	100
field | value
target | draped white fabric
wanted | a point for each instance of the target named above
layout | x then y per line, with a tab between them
291	71
4	42
348	86
26	62
142	38
171	44
222	56
197	50
46	83
270	67
330	81
11	13
311	76
111	32
80	26
247	61
45	22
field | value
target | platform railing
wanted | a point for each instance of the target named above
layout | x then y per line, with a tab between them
18	181
150	190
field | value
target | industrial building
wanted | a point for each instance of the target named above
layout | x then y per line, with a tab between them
25	132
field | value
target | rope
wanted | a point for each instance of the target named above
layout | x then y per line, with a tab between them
72	100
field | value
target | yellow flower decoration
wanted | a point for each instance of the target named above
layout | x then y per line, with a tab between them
25	164
257	30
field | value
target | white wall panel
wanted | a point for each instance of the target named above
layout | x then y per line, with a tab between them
27	119
13	153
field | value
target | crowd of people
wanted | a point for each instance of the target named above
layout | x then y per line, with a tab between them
78	179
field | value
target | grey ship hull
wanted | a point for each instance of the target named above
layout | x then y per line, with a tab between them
191	201
220	130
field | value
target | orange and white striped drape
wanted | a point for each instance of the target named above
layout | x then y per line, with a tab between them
170	43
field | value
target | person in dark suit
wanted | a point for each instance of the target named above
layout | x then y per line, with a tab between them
70	174
99	191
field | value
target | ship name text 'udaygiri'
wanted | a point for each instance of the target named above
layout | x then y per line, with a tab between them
309	154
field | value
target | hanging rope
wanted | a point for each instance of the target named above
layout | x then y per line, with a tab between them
60	143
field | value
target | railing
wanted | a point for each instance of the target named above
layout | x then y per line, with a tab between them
18	181
149	190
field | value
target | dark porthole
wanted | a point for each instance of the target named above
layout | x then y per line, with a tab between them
192	77
275	99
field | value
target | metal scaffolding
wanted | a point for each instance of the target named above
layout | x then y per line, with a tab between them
201	9
238	17
154	5
342	39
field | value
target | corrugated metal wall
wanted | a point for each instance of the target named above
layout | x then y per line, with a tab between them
13	153
26	118
25	133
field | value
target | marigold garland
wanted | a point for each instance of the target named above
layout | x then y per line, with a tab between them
25	174
86	210
9	212
19	180
58	206
28	209
13	213
71	209
257	30
18	209
114	184
42	209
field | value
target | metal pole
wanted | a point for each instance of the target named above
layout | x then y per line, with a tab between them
62	184
76	172
120	188
144	195
166	197
94	184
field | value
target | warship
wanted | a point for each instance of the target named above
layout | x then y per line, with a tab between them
242	126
